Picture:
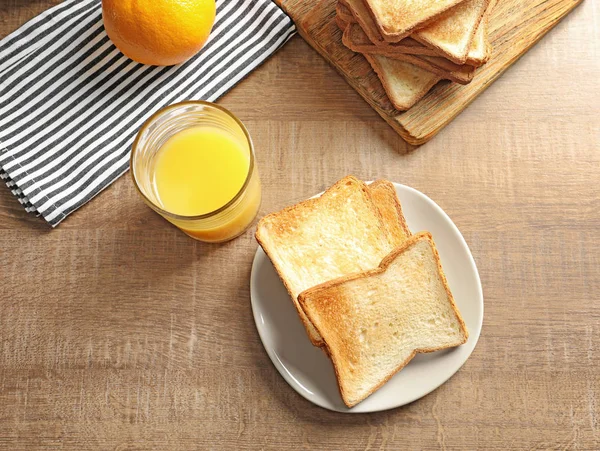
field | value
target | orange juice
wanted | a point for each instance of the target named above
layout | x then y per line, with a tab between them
193	163
198	171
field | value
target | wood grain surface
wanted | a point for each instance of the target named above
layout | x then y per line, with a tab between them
514	26
118	332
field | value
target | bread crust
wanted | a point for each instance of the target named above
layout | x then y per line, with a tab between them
410	51
461	74
385	263
344	13
455	55
356	40
315	339
476	59
398	35
388	186
364	20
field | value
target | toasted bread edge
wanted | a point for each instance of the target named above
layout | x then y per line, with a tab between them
386	184
457	58
398	36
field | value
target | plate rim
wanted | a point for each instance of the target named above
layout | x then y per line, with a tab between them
291	380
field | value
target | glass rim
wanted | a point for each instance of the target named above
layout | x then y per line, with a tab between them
165	110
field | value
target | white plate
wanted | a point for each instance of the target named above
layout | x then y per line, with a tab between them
310	372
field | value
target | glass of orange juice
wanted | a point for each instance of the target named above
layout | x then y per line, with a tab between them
193	163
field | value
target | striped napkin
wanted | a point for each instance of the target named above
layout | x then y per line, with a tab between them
71	103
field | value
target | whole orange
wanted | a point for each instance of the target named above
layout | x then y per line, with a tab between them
159	32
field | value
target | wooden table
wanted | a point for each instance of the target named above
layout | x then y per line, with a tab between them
119	332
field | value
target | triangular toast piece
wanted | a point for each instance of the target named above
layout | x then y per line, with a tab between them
452	33
404	83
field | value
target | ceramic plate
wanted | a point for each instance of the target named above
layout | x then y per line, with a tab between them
309	371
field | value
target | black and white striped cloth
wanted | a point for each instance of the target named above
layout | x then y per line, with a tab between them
71	103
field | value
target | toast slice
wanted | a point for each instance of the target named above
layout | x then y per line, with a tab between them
358	40
374	323
340	233
404	83
366	38
396	19
452	33
384	195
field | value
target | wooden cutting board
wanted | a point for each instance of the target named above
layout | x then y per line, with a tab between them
514	27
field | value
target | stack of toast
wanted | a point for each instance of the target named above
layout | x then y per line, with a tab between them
369	292
413	44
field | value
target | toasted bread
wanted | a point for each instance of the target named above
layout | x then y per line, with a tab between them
480	50
366	34
384	195
441	67
344	13
362	16
445	69
357	40
374	323
452	33
396	19
341	23
340	233
404	83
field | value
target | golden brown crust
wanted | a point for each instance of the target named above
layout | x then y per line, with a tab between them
454	56
410	51
365	20
356	40
385	263
485	23
341	23
388	187
448	292
475	59
398	35
462	74
344	13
